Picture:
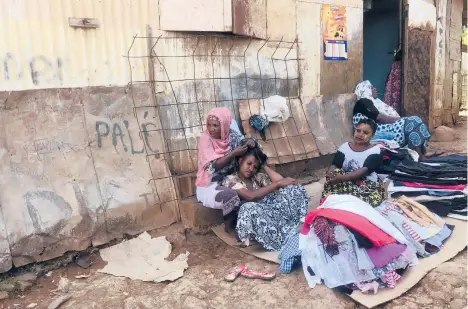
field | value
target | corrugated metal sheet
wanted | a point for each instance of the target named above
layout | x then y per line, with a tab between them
38	49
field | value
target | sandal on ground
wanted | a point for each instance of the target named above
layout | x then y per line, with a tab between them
252	274
234	273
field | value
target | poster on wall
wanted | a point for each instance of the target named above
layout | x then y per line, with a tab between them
335	41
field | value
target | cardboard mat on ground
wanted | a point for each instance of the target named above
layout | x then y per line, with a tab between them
455	244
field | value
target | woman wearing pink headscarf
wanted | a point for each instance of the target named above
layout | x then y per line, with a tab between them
218	148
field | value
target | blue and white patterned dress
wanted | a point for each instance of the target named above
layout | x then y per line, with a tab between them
411	131
270	220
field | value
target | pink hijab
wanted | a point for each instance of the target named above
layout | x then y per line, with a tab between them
210	148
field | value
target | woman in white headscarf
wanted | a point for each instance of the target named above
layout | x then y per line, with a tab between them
366	90
406	131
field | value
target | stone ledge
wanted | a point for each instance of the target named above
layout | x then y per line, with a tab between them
194	215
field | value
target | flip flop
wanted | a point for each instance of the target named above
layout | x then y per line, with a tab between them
252	274
234	273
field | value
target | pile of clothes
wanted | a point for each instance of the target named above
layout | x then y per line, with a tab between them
439	183
349	245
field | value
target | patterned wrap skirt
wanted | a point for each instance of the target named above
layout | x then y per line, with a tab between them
371	192
270	220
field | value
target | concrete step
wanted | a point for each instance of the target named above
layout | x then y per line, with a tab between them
195	215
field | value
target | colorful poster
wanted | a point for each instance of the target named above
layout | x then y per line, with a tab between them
335	37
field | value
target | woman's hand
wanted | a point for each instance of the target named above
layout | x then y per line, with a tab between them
250	143
240	151
335	180
286	182
329	174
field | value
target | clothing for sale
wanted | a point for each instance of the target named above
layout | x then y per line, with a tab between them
352	265
448	159
356	222
398	187
391	159
427	181
418	212
290	255
428	195
439	239
445	206
341	269
384	255
416	234
428	186
363	242
434	170
457	216
354	205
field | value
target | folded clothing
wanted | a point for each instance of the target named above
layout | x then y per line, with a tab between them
348	219
428	186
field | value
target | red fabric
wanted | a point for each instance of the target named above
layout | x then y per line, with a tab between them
351	220
392	94
423	185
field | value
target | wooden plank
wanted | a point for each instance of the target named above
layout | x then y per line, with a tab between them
249	18
456	29
455	49
91	23
281	20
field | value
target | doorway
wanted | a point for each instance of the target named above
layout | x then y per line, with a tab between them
382	39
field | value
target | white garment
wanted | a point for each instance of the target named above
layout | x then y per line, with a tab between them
364	90
354	160
413	154
389	144
206	196
335	271
275	109
356	206
235	127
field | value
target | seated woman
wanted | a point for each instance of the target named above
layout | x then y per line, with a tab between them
218	148
406	131
354	167
272	205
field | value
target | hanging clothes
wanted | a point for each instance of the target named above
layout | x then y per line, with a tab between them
392	95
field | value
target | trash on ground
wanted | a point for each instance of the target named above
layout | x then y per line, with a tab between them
82	276
144	258
83	260
32	305
242	270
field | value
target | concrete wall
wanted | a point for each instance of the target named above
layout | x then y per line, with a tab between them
433	61
109	147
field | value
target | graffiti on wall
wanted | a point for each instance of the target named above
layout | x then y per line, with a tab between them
39	69
121	136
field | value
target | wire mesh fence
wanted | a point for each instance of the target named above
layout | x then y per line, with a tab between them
190	75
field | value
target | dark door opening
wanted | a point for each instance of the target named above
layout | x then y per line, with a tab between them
382	40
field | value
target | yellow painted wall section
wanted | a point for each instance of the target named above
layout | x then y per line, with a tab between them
38	48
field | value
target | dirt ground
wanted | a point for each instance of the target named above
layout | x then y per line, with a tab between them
202	286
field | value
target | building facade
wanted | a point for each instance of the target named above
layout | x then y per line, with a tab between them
102	103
